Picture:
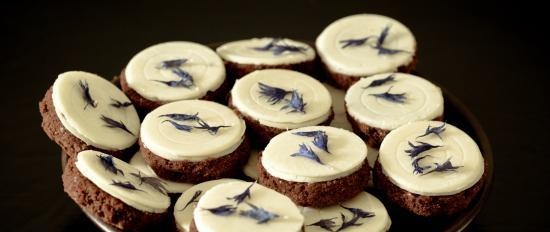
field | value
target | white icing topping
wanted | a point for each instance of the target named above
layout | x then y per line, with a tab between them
204	65
364	60
251	167
163	139
85	121
456	145
424	101
172	187
243	52
146	198
364	201
246	97
183	210
347	154
290	219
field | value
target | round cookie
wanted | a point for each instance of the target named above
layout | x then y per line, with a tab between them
315	166
173	188
245	206
245	56
429	168
274	100
363	45
107	188
187	202
174	71
363	213
83	111
193	141
378	104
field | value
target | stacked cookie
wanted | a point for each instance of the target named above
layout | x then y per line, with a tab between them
173	71
377	104
245	56
83	111
275	100
257	105
363	45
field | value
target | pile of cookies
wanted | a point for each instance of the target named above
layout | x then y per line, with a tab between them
240	138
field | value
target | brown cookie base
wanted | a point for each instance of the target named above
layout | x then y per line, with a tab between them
343	81
197	172
236	71
318	194
104	206
144	105
261	134
421	205
69	143
373	136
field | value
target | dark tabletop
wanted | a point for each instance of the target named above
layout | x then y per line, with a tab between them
491	55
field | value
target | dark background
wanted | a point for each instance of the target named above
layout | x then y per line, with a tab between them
491	55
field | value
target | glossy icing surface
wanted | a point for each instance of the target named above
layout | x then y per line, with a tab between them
453	145
94	121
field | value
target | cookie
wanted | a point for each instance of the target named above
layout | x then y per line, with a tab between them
187	202
115	192
193	141
363	213
173	71
275	100
245	56
363	45
83	111
245	206
429	168
378	104
315	166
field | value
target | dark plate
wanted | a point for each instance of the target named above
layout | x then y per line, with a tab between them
458	115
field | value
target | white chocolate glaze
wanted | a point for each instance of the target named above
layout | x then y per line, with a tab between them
289	220
365	201
143	72
84	120
348	152
183	210
364	60
243	52
246	97
163	139
424	101
455	145
172	187
146	198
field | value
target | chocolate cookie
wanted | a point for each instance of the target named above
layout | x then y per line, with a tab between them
378	104
275	100
429	168
83	111
115	192
315	166
174	71
245	56
194	141
363	45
